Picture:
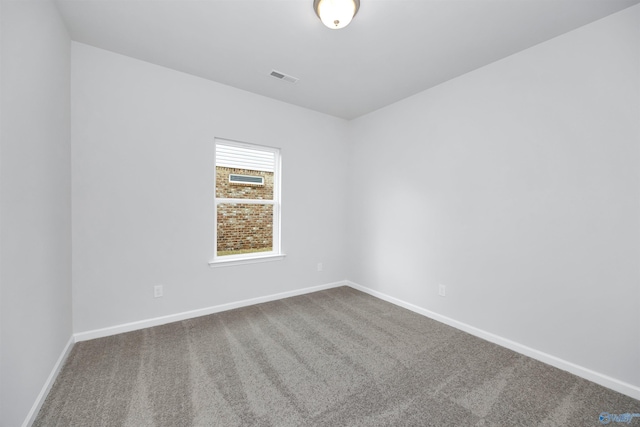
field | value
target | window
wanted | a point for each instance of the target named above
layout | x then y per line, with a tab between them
247	202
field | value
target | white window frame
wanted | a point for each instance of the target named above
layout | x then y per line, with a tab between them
276	253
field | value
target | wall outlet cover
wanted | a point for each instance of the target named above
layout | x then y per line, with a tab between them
157	291
442	290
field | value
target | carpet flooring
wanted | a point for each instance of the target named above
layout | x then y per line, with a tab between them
332	358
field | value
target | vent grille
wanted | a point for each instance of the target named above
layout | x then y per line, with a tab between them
246	179
284	77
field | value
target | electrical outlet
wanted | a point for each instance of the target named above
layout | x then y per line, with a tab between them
319	266
157	291
442	290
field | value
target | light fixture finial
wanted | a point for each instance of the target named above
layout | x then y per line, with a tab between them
336	14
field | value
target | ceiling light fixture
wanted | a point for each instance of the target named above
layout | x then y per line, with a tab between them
336	14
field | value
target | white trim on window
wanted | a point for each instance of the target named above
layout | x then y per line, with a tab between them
245	260
248	151
223	201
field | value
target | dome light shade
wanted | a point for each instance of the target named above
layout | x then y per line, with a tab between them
336	14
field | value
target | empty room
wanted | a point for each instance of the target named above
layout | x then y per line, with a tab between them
319	212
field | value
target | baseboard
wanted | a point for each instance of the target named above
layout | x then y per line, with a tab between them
142	324
31	416
588	374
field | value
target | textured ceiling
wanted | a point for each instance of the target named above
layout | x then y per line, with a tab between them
391	50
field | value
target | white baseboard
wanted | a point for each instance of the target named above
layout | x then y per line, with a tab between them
31	416
142	324
588	374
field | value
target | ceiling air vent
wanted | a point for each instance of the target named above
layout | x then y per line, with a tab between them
283	77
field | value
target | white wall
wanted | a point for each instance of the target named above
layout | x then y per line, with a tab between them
142	154
35	191
516	186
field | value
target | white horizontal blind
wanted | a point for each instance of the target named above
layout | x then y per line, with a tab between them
232	156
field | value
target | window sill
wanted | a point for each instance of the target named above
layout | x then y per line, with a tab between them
241	261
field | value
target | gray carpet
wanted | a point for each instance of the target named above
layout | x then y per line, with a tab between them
332	358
